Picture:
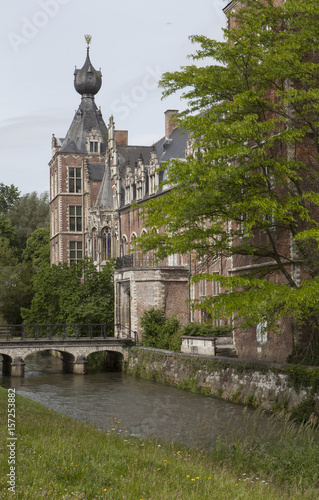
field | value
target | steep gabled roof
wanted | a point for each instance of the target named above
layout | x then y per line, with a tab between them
87	82
87	118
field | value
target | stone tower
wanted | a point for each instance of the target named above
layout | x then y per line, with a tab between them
77	169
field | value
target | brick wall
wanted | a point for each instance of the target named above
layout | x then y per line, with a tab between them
162	288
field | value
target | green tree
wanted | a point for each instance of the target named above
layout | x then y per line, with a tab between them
7	230
160	332
28	213
8	196
37	249
16	291
252	184
16	278
72	294
7	253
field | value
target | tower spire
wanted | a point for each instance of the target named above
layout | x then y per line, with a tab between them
87	80
88	39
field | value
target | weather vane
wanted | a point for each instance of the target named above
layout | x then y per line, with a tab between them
88	39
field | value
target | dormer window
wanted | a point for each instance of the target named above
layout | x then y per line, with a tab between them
153	179
127	194
94	147
139	191
152	183
93	141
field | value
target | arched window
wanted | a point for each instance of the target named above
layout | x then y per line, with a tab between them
94	244
124	245
106	244
133	238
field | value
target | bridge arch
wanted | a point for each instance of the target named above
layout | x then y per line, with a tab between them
113	359
6	357
6	363
12	364
67	358
74	352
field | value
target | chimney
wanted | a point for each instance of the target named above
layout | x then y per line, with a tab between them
170	121
121	137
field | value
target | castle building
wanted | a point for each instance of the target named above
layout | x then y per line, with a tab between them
98	182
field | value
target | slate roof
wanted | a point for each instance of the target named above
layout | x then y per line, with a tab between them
173	147
96	171
166	149
130	155
105	196
87	117
87	81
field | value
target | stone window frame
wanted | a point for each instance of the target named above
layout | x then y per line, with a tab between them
132	238
94	244
128	189
94	146
124	245
106	239
153	179
93	142
262	331
74	180
75	218
75	251
139	190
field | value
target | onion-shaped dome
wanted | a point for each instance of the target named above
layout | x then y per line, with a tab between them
87	80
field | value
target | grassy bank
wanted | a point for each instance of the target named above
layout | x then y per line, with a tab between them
59	458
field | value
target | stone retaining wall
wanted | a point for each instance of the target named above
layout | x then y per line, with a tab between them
271	386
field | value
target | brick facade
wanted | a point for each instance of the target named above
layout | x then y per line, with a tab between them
111	179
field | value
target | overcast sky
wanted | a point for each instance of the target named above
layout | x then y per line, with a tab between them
133	42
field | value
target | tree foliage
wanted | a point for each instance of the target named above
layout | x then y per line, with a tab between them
160	332
31	290
205	330
72	294
16	291
252	184
7	231
28	213
9	195
16	278
37	249
7	253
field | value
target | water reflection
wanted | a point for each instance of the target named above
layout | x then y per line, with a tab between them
133	406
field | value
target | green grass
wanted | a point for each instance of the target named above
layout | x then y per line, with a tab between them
59	458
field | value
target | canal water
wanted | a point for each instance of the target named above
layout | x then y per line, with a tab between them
124	404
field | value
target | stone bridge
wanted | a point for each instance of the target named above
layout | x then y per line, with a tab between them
74	351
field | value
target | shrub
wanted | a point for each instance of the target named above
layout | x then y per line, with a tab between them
159	332
205	330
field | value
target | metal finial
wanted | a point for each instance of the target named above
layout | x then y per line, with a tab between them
88	39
